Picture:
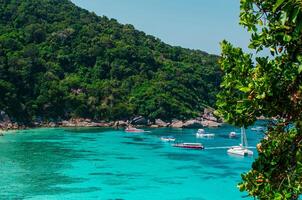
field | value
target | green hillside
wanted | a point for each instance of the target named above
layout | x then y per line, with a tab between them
59	61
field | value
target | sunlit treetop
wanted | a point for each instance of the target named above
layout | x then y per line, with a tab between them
271	85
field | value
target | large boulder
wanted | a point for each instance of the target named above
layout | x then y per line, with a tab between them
4	117
121	124
210	123
161	123
193	123
139	121
52	124
177	124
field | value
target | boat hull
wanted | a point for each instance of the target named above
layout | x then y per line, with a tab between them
189	146
205	135
167	139
240	151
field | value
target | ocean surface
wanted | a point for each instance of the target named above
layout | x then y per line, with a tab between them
98	163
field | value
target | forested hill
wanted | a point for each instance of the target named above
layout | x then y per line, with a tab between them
59	61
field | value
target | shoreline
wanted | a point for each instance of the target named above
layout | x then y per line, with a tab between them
6	127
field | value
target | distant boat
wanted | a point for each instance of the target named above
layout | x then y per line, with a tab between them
242	149
134	130
202	133
232	134
168	139
258	128
189	145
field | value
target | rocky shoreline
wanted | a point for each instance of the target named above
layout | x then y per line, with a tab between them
135	122
206	120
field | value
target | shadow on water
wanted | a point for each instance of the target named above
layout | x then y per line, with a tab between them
37	169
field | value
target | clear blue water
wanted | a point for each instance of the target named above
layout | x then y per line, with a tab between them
111	164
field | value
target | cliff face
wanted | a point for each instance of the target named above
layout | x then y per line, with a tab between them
58	61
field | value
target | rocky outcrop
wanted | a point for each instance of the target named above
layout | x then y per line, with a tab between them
80	122
208	123
10	126
4	117
52	124
121	124
161	123
142	121
193	123
177	124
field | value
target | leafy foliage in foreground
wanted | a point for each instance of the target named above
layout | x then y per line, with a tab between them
271	87
60	61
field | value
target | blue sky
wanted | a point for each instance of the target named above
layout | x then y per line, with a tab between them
195	24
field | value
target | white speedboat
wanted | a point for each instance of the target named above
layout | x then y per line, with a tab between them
202	133
258	128
168	139
232	134
242	149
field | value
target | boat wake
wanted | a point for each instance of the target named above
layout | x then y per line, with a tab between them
213	148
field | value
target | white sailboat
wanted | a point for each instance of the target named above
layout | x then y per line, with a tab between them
242	149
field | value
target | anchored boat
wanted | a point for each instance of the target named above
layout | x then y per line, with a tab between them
168	139
202	133
189	145
258	128
232	134
242	149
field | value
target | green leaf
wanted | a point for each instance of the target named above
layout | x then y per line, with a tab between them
277	5
245	89
300	69
287	38
295	15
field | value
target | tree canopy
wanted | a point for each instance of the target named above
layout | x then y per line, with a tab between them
268	86
59	61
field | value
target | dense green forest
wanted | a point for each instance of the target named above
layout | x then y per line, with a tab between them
59	61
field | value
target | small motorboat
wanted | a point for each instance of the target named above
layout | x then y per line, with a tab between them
258	128
232	135
189	145
134	130
202	133
168	139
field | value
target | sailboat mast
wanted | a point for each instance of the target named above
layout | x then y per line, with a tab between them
243	138
242	142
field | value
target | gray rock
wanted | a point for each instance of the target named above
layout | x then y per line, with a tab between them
52	124
211	123
4	117
139	121
193	123
160	123
177	124
121	124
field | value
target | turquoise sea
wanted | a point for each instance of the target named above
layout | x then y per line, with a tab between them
95	163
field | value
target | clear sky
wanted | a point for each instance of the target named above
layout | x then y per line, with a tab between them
195	24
